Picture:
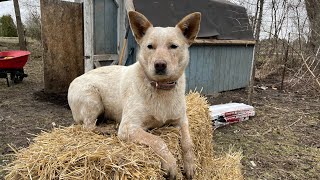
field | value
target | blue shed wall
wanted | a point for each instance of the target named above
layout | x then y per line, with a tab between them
219	68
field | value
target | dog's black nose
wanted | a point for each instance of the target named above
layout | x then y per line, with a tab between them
160	66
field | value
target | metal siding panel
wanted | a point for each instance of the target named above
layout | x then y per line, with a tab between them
203	70
187	72
240	68
99	35
231	67
234	68
218	68
215	69
200	70
243	68
237	78
211	71
206	66
227	70
249	54
221	68
198	59
193	68
110	27
236	64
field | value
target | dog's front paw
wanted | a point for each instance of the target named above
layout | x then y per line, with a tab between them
188	165
189	170
170	169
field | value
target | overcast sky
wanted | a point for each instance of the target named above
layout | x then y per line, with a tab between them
7	8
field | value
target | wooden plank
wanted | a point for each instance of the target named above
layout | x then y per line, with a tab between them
105	27
223	42
130	5
120	27
116	3
110	27
88	35
62	38
105	57
99	24
96	64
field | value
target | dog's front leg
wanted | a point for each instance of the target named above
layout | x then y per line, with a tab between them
187	149
140	136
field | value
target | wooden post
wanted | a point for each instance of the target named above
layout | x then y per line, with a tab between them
62	41
88	35
22	42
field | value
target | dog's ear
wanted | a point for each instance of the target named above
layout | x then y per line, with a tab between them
139	24
190	26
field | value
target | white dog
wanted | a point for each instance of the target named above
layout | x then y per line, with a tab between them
145	95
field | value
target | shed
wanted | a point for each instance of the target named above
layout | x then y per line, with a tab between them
220	59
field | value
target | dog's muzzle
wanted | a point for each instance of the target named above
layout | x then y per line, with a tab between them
163	85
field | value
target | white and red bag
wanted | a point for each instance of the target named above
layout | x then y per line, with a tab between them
224	114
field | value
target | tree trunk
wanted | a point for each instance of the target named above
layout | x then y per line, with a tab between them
257	37
313	12
22	42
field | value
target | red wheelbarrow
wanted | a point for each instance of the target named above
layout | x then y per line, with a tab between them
12	63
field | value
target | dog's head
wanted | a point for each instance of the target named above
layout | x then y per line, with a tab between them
164	52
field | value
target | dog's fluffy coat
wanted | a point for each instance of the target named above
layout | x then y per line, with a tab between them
128	94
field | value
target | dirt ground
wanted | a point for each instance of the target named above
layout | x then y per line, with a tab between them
281	142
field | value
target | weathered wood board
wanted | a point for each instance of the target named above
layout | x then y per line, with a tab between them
62	38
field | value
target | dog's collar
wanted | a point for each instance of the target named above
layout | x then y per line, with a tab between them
163	85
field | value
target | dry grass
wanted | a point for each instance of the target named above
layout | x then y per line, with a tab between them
73	153
282	139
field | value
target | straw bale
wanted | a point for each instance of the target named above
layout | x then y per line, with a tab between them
74	153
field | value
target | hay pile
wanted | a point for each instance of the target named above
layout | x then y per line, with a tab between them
74	153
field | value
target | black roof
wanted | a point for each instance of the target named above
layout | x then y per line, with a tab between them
220	19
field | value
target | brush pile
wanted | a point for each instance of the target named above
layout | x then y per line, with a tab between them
74	153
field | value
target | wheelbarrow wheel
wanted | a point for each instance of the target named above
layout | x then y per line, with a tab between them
18	76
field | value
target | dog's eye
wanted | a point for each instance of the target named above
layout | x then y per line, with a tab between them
173	46
150	46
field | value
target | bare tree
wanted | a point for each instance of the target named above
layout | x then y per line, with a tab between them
313	11
22	42
257	38
33	22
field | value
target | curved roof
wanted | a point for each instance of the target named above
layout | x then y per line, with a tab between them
220	19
